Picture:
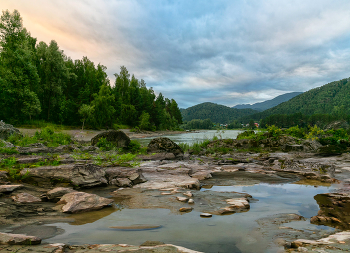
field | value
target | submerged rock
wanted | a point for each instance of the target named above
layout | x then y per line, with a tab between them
18	239
118	138
77	202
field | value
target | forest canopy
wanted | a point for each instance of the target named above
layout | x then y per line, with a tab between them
39	82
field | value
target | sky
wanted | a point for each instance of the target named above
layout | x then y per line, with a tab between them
224	51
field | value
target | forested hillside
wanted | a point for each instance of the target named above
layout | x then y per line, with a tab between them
269	103
216	113
39	82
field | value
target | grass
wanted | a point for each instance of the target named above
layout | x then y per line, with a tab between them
47	136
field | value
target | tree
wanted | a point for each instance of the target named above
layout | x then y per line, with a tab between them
144	121
18	72
103	107
252	124
31	104
85	111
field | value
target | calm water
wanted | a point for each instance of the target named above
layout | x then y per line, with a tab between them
229	233
194	137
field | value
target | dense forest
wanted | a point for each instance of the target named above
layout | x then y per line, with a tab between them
216	113
262	106
332	98
39	82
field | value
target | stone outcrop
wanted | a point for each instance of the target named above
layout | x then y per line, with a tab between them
9	188
124	177
35	148
4	177
56	193
25	198
118	138
77	202
6	130
18	239
334	210
164	145
77	175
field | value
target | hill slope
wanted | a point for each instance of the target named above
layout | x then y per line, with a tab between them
331	98
216	113
262	106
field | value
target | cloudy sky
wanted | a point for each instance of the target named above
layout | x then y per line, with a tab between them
224	51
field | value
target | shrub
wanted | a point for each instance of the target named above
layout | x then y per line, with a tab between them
295	132
105	145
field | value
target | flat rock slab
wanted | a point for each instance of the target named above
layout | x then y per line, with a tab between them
18	239
77	202
56	193
25	198
9	188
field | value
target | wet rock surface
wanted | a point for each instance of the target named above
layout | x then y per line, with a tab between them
18	239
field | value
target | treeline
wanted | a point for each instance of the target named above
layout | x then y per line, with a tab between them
301	120
198	124
39	82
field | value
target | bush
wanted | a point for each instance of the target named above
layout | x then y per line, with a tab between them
296	132
105	145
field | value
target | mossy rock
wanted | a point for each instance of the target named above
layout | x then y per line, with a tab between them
118	138
163	144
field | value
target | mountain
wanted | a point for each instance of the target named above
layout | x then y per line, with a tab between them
262	106
216	113
332	98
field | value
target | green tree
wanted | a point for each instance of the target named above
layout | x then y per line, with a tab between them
85	112
31	104
144	121
103	107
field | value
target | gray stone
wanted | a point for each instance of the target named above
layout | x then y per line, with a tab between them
9	188
6	130
25	198
164	145
78	175
18	239
77	202
118	138
133	175
56	194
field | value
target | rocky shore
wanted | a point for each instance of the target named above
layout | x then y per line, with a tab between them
168	178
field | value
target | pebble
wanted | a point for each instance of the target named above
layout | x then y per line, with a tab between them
190	201
206	215
185	209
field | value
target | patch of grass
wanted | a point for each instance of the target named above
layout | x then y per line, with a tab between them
8	151
126	160
47	136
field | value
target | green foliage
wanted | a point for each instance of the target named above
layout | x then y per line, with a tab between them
214	112
136	147
274	131
144	121
246	135
105	145
295	132
126	160
314	133
8	151
85	112
199	124
47	136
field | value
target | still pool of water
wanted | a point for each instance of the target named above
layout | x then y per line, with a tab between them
238	232
190	138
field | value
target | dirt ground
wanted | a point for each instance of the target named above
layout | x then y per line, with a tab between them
86	135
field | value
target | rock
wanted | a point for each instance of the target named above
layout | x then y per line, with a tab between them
331	150
289	148
188	194
6	130
186	209
152	243
65	149
133	176
25	198
206	215
56	194
118	138
88	148
18	239
182	199
77	202
337	125
164	145
238	203
6	144
190	184
4	177
78	175
122	182
190	201
311	145
9	188
334	210
158	156
35	149
202	175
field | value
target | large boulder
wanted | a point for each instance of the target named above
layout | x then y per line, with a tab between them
123	176
118	138
77	202
164	145
57	193
18	239
77	175
6	130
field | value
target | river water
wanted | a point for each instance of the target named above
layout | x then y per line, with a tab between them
199	136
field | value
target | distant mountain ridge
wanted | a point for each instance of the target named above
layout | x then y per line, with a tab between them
216	113
332	98
262	106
